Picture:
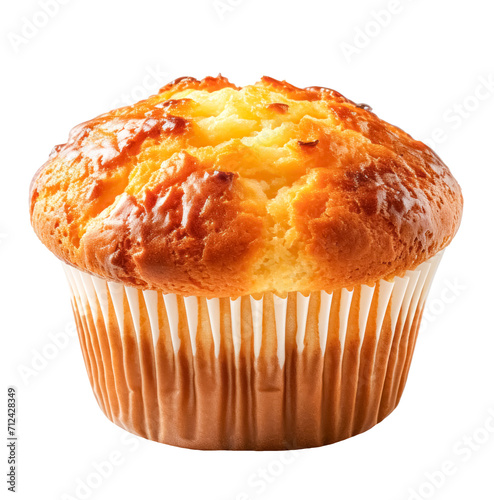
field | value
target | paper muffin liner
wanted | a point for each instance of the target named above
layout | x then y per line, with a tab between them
261	373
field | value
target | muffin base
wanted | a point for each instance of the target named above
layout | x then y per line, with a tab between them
245	374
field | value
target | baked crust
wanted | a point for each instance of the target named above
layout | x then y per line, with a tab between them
214	190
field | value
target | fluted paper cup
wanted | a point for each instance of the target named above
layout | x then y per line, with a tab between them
263	373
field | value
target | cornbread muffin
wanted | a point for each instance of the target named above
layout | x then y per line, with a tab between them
248	266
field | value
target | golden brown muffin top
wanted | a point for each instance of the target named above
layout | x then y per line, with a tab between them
211	189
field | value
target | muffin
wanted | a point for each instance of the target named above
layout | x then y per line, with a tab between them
248	265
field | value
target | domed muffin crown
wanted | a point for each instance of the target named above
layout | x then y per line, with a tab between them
215	190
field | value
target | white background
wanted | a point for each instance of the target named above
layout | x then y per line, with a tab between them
423	71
